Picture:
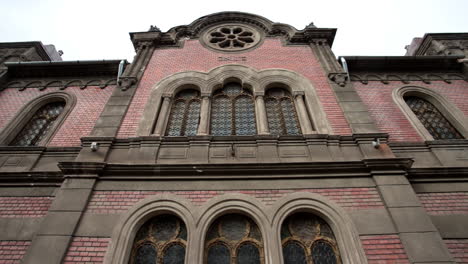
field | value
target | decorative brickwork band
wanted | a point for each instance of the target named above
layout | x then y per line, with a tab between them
12	252
87	250
384	249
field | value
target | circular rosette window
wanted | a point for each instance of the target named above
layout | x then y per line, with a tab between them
232	37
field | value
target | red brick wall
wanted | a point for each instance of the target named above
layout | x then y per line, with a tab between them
384	249
87	250
445	203
80	122
388	116
110	202
194	57
458	249
22	207
11	252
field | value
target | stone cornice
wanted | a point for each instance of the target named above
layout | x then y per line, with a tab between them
429	37
36	44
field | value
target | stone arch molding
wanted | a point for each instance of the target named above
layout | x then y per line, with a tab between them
258	81
454	115
268	219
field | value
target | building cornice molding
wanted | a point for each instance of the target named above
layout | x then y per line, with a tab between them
37	45
430	37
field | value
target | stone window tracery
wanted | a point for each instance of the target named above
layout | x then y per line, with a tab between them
233	111
307	239
185	114
161	240
281	112
234	239
231	37
39	125
432	119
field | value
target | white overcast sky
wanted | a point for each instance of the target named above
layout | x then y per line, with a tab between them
98	29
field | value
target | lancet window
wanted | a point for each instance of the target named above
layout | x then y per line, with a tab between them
308	239
281	112
234	239
185	114
432	119
161	240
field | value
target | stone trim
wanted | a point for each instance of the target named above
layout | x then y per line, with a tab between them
26	113
259	81
448	109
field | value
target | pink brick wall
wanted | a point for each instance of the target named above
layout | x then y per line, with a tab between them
388	116
23	207
445	203
80	122
272	54
458	249
384	249
110	202
11	252
87	250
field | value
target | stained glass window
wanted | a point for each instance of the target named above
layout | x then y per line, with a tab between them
161	240
39	125
432	119
307	239
234	239
185	114
281	113
233	111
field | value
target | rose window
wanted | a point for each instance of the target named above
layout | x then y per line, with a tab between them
232	37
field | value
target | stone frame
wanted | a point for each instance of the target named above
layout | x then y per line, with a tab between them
24	115
208	82
454	115
198	219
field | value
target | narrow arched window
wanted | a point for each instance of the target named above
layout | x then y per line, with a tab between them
432	119
161	240
234	239
233	111
281	113
307	239
39	125
185	114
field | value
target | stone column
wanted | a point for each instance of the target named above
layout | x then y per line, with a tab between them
262	120
203	127
162	118
304	119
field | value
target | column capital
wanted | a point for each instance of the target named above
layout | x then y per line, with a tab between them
205	94
298	93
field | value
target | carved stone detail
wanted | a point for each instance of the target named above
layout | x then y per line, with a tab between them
126	82
61	84
406	77
339	78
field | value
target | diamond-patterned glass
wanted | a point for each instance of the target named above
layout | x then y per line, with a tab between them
185	114
236	234
232	97
161	240
245	116
39	125
432	119
281	113
303	231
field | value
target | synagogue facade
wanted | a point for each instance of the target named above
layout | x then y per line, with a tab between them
235	139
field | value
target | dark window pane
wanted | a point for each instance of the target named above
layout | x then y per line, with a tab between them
245	116
248	254
281	113
322	253
219	254
39	125
176	119
193	115
165	227
432	119
174	254
293	253
255	232
146	254
234	227
182	232
221	116
273	116
290	119
232	89
143	232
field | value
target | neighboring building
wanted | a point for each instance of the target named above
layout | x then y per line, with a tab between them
235	140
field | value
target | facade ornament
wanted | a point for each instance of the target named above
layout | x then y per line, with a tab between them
311	25
339	78
143	45
154	28
126	82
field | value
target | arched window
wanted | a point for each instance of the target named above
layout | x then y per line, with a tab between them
185	114
234	239
432	119
307	239
233	111
281	113
161	240
39	125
